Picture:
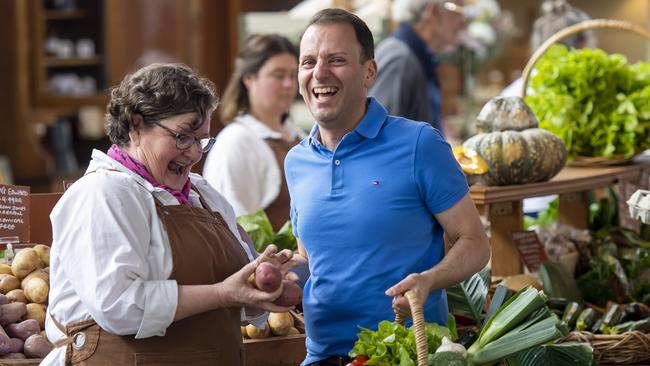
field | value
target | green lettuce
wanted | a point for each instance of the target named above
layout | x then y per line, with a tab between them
394	344
258	227
598	104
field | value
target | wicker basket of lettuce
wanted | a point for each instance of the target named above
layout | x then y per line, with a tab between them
521	330
598	104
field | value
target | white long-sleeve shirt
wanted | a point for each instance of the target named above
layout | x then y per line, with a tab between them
242	166
111	258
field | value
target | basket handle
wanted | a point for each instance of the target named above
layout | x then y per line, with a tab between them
418	327
571	30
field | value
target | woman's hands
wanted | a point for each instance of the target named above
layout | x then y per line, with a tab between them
239	292
416	282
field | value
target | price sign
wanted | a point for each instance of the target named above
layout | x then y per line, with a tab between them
14	211
530	249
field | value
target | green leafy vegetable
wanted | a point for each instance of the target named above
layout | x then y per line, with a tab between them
394	344
467	298
258	227
598	104
564	354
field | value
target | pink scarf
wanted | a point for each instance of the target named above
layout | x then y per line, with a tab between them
119	155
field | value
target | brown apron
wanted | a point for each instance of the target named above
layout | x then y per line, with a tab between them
278	210
204	251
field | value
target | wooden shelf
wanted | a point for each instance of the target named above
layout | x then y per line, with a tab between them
72	62
64	14
570	179
503	205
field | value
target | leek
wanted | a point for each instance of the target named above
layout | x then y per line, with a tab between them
516	309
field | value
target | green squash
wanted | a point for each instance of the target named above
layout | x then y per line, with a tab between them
518	157
505	113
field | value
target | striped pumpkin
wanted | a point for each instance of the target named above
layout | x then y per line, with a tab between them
518	157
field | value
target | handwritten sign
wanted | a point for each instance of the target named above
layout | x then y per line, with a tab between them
14	211
530	249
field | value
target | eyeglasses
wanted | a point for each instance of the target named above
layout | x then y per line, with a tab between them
185	141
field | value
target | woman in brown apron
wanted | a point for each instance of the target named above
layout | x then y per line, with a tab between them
147	265
247	162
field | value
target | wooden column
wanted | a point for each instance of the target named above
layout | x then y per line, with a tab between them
505	217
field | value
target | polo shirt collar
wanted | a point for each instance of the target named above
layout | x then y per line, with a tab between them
368	127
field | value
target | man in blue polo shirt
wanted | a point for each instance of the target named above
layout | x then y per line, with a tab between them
371	196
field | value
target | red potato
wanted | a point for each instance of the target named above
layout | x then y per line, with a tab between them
12	312
291	294
5	342
267	277
4	299
24	329
16	345
37	346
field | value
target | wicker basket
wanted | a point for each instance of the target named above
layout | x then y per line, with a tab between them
629	348
418	327
590	161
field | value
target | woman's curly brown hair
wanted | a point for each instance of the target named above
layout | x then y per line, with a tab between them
157	92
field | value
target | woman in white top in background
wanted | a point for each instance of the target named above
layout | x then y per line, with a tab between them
246	164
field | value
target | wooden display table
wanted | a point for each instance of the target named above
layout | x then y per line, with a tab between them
503	205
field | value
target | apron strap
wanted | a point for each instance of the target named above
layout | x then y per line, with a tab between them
74	329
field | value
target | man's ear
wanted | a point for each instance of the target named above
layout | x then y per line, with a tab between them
137	122
247	79
431	10
371	73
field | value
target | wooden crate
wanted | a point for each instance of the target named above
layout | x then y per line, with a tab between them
25	362
278	351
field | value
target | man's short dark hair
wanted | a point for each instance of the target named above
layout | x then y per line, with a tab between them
364	36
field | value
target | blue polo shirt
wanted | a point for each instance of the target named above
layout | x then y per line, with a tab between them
364	214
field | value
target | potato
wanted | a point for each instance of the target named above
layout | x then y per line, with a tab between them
280	323
12	312
36	290
257	333
5	269
16	345
4	299
243	332
37	312
16	295
291	294
293	331
37	346
23	330
39	273
5	342
43	252
8	283
13	356
25	262
267	277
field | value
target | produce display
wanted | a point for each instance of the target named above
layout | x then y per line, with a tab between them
277	325
598	104
516	151
24	287
519	328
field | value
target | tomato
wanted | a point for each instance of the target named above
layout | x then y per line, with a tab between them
359	361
